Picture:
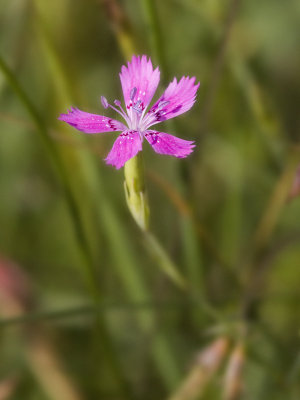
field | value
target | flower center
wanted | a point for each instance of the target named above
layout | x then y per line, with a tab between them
135	111
135	117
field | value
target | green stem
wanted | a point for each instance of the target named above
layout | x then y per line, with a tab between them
164	261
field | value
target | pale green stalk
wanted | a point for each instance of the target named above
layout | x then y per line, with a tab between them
137	202
164	261
135	191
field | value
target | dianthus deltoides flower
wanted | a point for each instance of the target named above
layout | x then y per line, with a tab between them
139	82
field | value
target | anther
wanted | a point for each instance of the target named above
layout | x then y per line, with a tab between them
133	93
104	102
117	103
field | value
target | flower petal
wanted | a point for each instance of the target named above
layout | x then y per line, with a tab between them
90	123
177	99
139	81
163	143
125	147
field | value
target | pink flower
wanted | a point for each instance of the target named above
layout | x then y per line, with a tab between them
139	83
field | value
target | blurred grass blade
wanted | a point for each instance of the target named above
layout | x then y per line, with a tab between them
121	26
233	383
207	364
192	255
155	34
231	215
163	261
277	201
45	367
268	126
218	66
42	130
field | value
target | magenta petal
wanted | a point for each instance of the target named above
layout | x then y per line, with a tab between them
139	81
125	147
177	99
90	123
163	143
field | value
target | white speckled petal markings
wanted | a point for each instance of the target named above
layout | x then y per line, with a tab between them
178	98
164	143
139	81
127	145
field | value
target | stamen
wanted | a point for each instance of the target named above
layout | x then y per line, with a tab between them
136	107
104	102
133	93
119	104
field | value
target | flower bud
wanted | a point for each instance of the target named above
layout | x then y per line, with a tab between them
135	191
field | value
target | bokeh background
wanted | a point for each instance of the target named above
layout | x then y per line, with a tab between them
87	309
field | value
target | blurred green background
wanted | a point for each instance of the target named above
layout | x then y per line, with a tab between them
87	311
